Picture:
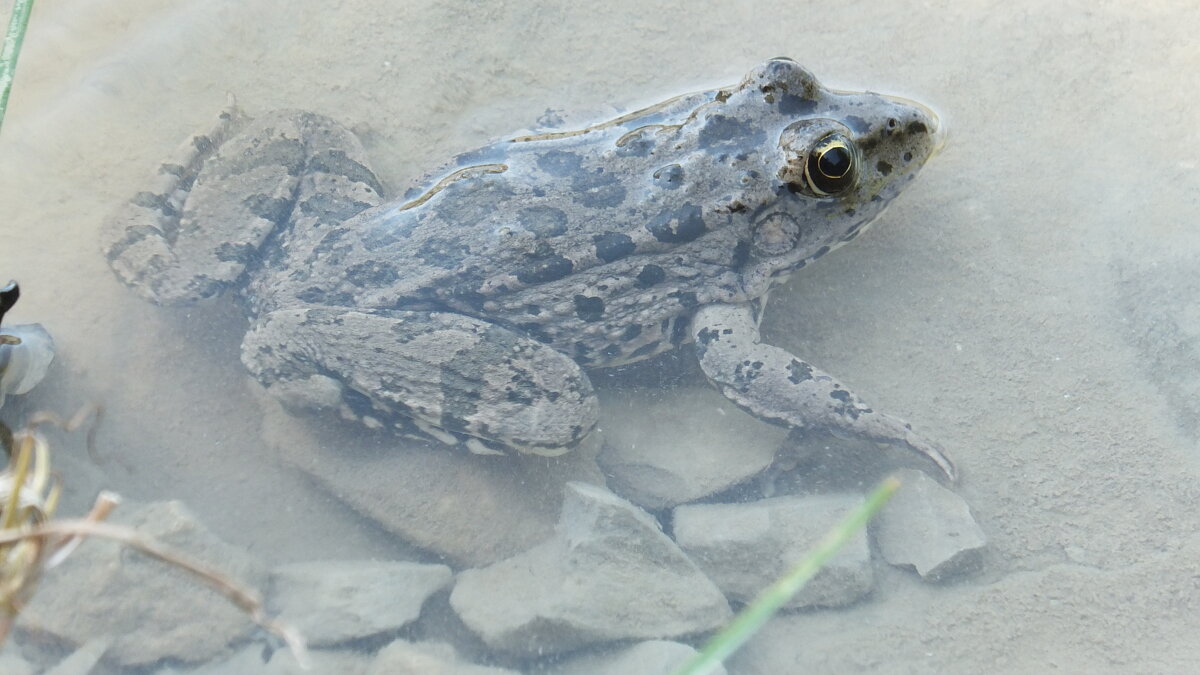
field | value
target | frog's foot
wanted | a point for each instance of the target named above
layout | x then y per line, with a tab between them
445	376
215	202
776	386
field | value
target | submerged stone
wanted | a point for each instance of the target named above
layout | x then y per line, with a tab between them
608	573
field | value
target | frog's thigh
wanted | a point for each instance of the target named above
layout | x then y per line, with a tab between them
454	372
774	385
213	204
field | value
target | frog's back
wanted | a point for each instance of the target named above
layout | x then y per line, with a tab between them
570	237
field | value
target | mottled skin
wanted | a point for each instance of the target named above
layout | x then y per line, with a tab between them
466	309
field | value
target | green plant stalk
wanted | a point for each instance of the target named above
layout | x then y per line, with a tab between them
13	38
768	602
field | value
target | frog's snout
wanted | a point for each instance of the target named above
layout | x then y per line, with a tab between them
938	133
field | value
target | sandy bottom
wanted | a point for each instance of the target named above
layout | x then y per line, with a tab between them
1030	301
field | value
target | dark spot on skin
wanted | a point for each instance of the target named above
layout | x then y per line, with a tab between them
521	390
160	203
543	221
272	209
687	299
820	252
790	104
679	329
328	209
598	190
631	332
462	293
536	331
544	270
588	308
883	167
238	253
679	226
707	336
917	128
533	310
319	296
908	156
840	395
612	246
857	124
650	275
582	354
741	254
441	252
745	373
374	274
719	128
799	371
868	145
274	154
559	163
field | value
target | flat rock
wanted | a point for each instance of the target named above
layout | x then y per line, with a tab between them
930	528
743	548
663	449
150	609
653	657
608	573
426	658
472	510
332	601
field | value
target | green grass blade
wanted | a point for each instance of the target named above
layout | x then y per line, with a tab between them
768	602
13	39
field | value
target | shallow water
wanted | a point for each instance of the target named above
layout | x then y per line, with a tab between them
1029	301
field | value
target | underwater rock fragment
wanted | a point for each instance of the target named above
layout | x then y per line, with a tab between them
608	573
930	528
744	548
150	610
334	601
680	446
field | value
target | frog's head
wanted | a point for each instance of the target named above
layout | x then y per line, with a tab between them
840	158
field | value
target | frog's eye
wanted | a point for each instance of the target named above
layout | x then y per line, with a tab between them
832	165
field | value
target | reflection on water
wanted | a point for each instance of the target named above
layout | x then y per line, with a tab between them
1025	302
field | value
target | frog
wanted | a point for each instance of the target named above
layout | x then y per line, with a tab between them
471	309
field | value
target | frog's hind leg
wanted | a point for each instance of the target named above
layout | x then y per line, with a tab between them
457	379
224	192
774	385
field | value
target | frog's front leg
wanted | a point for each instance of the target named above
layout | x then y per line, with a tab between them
224	192
453	378
774	385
